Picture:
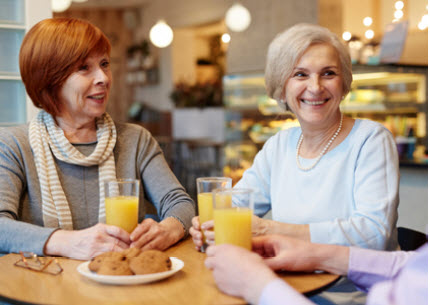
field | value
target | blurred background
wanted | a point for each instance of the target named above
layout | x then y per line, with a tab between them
191	72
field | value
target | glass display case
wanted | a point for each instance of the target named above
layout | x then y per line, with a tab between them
393	95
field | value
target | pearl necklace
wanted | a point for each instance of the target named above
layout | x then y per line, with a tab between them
322	152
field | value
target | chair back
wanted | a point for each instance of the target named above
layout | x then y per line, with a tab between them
409	239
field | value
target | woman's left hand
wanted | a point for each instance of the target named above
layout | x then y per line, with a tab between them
150	234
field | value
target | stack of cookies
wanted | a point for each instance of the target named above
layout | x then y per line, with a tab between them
130	261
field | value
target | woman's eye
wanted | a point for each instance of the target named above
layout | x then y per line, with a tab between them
105	64
329	73
300	74
83	68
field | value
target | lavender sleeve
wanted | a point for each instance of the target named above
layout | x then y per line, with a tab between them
395	277
277	292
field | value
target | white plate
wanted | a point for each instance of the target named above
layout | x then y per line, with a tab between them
177	265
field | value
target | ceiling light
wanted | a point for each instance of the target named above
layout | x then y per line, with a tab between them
237	18
59	6
346	36
161	34
399	5
367	21
398	14
369	34
225	38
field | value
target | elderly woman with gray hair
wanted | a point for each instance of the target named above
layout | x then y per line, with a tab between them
334	179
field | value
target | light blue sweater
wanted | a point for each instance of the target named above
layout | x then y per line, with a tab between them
349	198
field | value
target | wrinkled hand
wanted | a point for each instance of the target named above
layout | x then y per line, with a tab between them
87	243
287	253
150	234
197	234
238	272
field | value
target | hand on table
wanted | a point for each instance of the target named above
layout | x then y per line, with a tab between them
150	234
284	252
87	243
197	234
238	272
292	254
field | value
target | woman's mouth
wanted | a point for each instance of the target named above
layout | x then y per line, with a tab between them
98	98
314	103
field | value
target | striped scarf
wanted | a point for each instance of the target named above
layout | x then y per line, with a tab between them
46	139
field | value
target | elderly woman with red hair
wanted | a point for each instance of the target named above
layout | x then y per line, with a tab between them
52	169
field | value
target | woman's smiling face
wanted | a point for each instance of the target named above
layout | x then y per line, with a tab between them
85	92
314	89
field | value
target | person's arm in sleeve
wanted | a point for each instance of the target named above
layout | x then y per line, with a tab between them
277	292
368	267
408	286
161	186
16	235
376	186
174	206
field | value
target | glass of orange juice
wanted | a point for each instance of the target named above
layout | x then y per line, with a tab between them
205	186
233	224
122	203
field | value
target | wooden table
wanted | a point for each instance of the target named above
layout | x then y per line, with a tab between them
192	285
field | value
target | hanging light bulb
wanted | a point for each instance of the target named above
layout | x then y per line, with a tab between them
59	6
225	38
399	5
367	21
161	34
369	34
237	18
346	36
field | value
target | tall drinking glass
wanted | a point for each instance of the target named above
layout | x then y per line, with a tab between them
205	186
233	224
122	203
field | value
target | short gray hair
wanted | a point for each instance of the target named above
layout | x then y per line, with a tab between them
287	48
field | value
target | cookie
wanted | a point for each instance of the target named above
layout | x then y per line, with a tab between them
97	261
115	267
150	261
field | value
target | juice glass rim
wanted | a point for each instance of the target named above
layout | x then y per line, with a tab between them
215	179
122	180
235	191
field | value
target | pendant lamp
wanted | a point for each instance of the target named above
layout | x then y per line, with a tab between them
237	18
161	34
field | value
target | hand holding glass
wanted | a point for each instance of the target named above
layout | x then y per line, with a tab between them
233	224
122	203
205	186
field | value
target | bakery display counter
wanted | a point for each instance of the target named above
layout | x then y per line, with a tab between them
393	95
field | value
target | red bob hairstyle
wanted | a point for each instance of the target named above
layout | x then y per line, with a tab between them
51	51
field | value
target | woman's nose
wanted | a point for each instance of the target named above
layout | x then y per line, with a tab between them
315	85
101	77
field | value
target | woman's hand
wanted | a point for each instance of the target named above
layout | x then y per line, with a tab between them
87	243
238	272
150	234
197	234
287	253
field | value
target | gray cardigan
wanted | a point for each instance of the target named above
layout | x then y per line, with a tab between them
137	155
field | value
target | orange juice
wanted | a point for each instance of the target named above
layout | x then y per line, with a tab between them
122	211
204	200
233	226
